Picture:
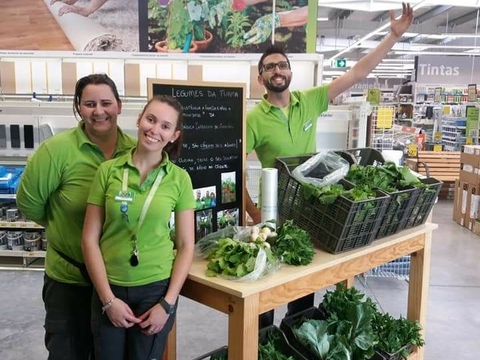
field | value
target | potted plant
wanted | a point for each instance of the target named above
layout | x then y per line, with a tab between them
198	12
185	26
179	29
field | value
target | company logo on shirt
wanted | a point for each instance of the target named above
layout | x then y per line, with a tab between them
307	125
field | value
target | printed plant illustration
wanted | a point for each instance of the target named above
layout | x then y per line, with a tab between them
237	22
219	26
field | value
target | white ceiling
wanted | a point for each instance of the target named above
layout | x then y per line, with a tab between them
435	23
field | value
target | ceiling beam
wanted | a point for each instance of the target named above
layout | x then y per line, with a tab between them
431	13
382	16
472	15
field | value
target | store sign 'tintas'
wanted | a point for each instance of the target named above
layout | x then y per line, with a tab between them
446	70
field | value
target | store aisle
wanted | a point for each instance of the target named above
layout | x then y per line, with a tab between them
453	316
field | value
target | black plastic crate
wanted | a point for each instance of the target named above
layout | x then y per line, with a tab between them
290	322
219	354
382	355
338	227
397	211
367	156
269	332
419	210
281	343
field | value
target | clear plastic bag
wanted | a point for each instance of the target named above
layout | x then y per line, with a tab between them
322	169
210	243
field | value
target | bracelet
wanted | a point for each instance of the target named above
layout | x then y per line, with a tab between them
107	305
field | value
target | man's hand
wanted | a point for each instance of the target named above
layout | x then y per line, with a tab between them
398	27
153	320
261	29
73	9
68	2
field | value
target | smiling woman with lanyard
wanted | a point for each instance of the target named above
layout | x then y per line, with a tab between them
126	238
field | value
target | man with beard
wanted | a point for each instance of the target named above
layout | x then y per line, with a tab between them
284	123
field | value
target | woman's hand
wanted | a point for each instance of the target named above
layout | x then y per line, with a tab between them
121	315
153	320
398	27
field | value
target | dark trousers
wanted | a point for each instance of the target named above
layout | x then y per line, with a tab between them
67	321
295	306
112	343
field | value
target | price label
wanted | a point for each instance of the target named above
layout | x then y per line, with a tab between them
469	141
438	135
412	150
437	148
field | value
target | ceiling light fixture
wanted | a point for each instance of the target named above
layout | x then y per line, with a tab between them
399	60
459	35
401	52
322	19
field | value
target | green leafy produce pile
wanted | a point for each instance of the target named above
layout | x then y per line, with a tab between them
328	194
395	334
388	177
355	327
292	245
271	349
236	258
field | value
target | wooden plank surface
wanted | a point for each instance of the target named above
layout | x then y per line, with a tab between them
29	25
322	260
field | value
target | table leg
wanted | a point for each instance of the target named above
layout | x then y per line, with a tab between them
418	286
170	352
243	328
349	282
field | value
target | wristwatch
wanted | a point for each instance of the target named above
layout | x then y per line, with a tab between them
169	309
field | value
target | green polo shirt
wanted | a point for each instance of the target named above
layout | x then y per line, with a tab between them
53	192
155	248
273	134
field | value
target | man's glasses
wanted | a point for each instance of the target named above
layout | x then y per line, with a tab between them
282	65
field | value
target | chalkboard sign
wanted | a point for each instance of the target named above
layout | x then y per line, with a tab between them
213	150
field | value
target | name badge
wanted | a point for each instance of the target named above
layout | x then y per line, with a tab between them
125	196
307	125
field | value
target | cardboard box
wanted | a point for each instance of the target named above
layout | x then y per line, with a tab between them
458	216
471	149
470	177
472	205
463	199
470	160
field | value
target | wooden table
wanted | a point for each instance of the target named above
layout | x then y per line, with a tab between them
243	302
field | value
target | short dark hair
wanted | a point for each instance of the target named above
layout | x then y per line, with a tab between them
172	149
92	79
272	49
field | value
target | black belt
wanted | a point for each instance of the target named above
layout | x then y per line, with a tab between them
80	266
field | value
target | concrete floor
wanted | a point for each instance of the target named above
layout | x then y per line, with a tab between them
453	318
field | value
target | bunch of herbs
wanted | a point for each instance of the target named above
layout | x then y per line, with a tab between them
292	245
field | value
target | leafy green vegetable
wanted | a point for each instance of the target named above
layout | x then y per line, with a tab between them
396	334
271	349
236	258
293	245
336	302
328	194
387	177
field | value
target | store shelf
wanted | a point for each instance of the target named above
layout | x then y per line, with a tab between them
20	225
23	253
8	196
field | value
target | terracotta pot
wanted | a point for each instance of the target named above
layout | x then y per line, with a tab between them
202	45
161	46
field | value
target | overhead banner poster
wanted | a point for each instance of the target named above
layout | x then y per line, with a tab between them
208	26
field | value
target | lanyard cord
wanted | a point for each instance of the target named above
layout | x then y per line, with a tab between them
148	201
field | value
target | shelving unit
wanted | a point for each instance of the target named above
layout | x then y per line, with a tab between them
453	133
18	259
